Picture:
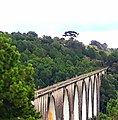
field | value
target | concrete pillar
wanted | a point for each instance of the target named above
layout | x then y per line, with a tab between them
79	85
76	104
51	109
90	100
58	96
84	106
70	89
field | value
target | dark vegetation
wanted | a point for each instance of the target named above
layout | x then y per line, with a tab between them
29	62
71	34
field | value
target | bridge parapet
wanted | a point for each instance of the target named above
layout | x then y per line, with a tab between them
74	99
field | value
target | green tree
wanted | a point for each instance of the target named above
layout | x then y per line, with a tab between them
108	90
44	71
16	83
113	57
91	52
71	34
111	110
104	117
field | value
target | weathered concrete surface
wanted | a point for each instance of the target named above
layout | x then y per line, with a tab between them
56	94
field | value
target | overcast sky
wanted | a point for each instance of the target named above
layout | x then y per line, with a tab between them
93	19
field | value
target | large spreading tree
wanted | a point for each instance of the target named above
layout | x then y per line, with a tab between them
16	84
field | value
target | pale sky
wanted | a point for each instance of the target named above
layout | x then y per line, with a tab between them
93	19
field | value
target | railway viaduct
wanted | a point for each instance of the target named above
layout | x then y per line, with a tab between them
74	99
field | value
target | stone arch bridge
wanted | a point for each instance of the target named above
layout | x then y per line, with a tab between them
74	99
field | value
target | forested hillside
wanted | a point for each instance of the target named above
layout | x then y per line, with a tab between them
56	59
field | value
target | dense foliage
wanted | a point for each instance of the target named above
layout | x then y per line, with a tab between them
16	84
51	60
109	89
56	59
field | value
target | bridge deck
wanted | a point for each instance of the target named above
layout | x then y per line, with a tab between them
59	85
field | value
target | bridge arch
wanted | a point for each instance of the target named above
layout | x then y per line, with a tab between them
76	103
95	96
62	97
51	108
66	109
90	99
84	101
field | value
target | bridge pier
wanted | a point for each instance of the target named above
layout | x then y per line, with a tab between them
58	96
76	104
74	99
70	89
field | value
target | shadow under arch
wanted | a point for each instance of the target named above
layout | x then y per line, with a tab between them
84	101
66	109
51	108
76	103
